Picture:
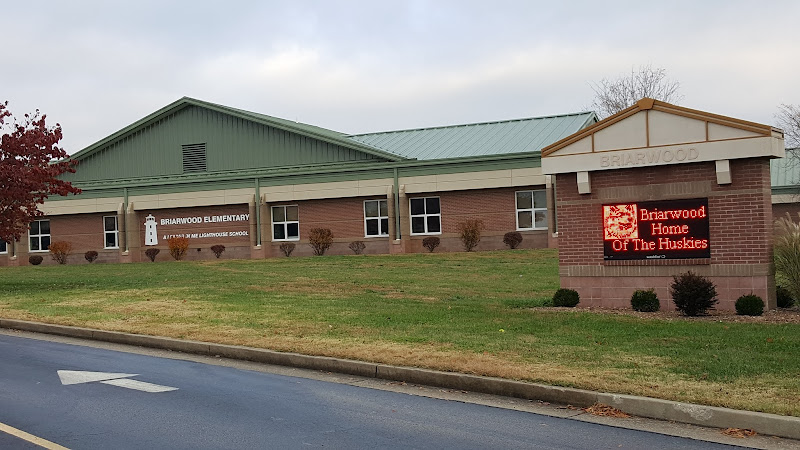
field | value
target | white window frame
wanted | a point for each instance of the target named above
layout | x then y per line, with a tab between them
533	209
379	218
3	247
114	232
424	216
284	223
39	236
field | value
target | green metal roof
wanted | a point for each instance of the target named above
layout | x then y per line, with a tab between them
785	172
302	129
478	139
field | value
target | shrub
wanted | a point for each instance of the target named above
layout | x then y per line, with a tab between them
320	239
287	248
787	255
151	253
431	243
357	247
470	233
90	256
749	305
512	239
218	249
566	297
35	260
785	299
645	301
693	294
178	246
60	250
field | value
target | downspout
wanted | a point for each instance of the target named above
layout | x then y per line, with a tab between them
125	215
396	191
258	212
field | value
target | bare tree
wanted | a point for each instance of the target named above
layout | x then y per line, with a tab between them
612	96
788	118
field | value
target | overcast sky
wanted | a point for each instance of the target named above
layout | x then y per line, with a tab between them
361	66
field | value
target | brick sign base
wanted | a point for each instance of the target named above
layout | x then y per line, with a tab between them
740	232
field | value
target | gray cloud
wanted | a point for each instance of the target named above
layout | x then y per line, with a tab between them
357	66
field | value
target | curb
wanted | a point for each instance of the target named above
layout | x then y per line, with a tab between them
708	416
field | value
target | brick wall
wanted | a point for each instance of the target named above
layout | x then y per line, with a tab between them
740	227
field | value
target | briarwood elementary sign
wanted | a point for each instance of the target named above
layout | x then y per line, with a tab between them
152	236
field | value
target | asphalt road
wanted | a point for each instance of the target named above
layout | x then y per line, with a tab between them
225	407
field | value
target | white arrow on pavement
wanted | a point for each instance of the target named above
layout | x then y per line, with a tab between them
114	379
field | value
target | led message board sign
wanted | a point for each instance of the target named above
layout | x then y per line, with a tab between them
668	229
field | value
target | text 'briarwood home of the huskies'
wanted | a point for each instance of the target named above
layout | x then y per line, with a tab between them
668	229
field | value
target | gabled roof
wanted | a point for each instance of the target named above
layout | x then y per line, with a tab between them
287	125
649	104
478	139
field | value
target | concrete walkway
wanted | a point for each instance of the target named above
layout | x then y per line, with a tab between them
707	416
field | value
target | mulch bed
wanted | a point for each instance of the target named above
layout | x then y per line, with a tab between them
791	315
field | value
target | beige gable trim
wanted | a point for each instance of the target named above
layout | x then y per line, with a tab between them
653	133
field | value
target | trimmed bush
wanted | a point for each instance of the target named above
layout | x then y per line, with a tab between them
512	239
566	297
357	247
35	260
470	233
645	301
320	239
59	251
218	249
693	294
178	246
287	248
431	243
151	253
90	256
749	305
785	299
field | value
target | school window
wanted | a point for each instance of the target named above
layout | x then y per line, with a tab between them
3	247
39	235
285	223
426	216
111	231
376	218
532	210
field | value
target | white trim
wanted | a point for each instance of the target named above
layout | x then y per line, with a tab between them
4	245
39	237
115	231
284	223
379	218
425	216
533	209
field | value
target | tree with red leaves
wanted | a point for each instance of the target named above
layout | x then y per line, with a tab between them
30	163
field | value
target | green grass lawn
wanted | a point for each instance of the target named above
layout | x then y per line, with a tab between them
467	312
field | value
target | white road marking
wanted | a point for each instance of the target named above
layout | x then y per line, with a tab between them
139	385
77	377
114	379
